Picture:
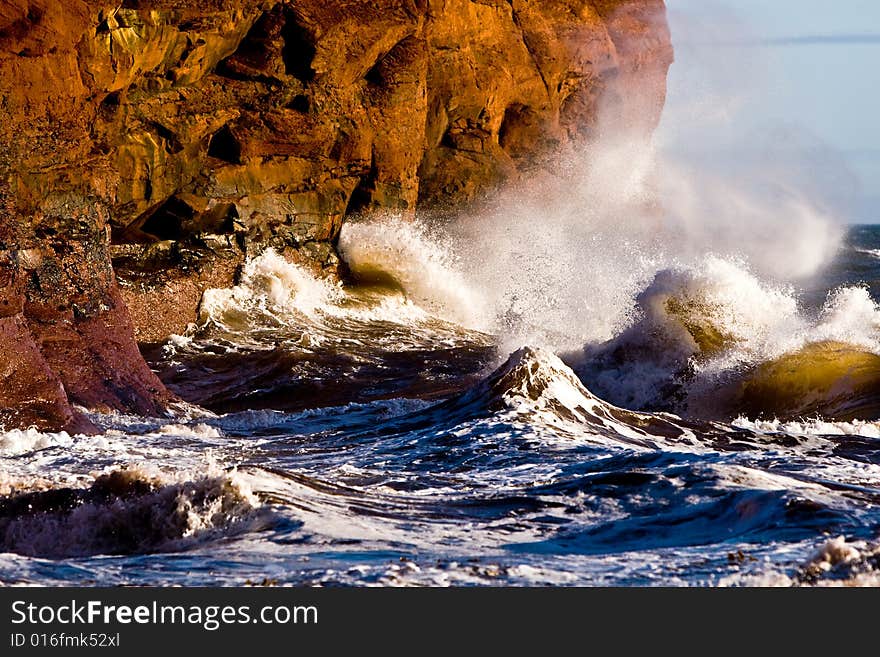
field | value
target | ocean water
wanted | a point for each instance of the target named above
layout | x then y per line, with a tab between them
633	418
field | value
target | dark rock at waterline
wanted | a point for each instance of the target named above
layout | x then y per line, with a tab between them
67	335
259	124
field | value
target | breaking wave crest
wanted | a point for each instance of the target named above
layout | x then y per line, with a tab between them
403	255
709	339
715	340
127	511
271	287
416	287
535	387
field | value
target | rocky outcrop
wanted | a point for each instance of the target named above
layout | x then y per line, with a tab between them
173	138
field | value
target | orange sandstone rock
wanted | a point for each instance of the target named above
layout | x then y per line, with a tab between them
173	138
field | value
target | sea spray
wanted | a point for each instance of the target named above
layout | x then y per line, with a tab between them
405	255
270	286
701	328
22	441
127	511
417	283
561	253
687	318
558	260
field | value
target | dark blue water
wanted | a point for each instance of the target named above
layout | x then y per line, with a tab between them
372	449
857	262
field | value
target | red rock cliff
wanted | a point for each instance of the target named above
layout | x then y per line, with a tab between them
171	138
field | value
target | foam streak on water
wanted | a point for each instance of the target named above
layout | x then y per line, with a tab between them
360	434
523	478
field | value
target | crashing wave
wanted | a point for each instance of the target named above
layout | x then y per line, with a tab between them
274	293
22	441
810	427
401	256
126	512
270	287
705	319
716	342
536	387
839	562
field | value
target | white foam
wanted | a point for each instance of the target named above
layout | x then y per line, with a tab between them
157	511
270	285
200	430
813	427
18	441
319	419
835	551
418	261
757	319
850	316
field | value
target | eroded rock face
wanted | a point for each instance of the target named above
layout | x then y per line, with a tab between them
173	138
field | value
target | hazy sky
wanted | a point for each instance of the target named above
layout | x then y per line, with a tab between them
813	65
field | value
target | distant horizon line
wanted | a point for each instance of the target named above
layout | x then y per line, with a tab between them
811	39
861	153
